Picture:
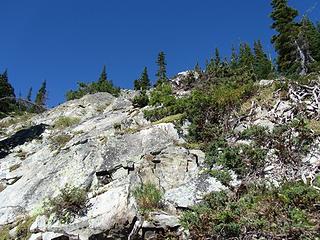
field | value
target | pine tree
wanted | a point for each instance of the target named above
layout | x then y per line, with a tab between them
29	94
234	58
103	76
312	35
262	65
246	57
143	83
217	57
162	72
6	92
284	41
197	68
41	97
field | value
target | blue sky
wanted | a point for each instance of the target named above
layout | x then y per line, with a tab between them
65	41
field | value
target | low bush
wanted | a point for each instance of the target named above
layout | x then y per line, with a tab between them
221	175
64	122
287	212
141	100
23	228
148	197
71	202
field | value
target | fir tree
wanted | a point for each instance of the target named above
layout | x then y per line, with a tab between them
29	94
246	57
234	58
262	65
143	83
162	72
312	35
41	97
103	76
217	57
197	68
6	92
284	41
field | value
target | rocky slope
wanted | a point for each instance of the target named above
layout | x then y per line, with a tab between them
104	145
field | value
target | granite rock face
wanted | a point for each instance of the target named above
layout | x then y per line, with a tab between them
109	150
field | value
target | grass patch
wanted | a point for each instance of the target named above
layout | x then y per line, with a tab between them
60	141
64	122
148	197
314	125
23	228
6	123
4	233
171	119
14	167
71	202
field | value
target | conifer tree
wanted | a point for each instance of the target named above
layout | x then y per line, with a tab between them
246	57
6	92
234	58
41	97
29	94
103	76
197	68
312	35
217	57
283	18
143	83
162	71
262	65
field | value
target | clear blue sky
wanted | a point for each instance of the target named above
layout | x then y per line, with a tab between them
65	41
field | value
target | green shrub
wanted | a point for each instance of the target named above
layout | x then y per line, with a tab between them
141	100
148	197
60	140
64	122
23	228
71	202
221	175
256	133
162	95
4	233
288	211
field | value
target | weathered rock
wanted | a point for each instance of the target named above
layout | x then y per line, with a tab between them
36	236
39	225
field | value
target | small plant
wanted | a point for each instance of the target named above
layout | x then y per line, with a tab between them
14	167
221	175
23	227
61	140
141	100
4	233
148	197
171	119
117	126
257	133
71	202
64	122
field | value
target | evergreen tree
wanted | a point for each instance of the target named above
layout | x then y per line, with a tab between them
162	72
217	57
41	97
312	35
103	76
143	83
29	94
262	65
6	91
285	40
197	68
246	57
234	58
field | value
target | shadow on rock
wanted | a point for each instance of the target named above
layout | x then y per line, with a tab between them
20	138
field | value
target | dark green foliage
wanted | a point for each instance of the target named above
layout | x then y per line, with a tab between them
221	175
162	71
148	197
143	83
6	92
246	57
71	202
288	212
283	18
312	36
102	85
141	100
197	68
41	96
256	133
243	159
29	95
162	95
262	64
